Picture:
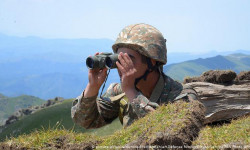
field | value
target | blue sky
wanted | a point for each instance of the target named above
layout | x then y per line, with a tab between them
188	25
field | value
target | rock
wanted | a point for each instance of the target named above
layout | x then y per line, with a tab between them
11	119
59	99
48	103
223	102
26	111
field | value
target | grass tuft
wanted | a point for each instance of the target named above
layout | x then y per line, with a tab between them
43	138
164	118
237	132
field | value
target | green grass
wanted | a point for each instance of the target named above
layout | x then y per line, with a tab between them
237	132
49	117
168	117
164	118
40	139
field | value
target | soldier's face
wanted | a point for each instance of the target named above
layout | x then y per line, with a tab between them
136	59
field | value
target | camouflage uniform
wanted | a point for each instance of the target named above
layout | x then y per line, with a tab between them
93	112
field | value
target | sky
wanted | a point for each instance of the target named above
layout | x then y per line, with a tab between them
188	25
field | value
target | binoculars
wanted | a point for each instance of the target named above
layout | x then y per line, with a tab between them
101	61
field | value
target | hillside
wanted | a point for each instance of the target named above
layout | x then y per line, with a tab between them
8	105
235	62
144	133
57	115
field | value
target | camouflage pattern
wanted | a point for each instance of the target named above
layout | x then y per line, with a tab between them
145	39
95	112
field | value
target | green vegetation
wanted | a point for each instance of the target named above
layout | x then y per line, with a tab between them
49	117
46	137
235	133
163	119
171	118
8	105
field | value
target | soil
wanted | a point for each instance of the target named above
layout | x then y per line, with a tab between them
244	75
214	76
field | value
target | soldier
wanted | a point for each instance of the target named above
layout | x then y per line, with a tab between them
142	54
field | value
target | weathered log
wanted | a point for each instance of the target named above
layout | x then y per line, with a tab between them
223	102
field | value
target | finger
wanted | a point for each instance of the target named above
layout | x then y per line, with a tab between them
122	61
103	72
128	60
120	67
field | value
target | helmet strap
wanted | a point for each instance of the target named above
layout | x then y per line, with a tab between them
150	68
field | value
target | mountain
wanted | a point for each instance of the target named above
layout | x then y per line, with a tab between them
8	105
49	68
177	57
236	62
46	68
58	50
58	116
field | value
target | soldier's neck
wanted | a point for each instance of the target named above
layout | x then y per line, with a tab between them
147	87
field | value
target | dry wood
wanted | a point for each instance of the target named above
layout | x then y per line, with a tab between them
223	102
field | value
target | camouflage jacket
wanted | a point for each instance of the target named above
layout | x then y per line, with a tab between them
93	112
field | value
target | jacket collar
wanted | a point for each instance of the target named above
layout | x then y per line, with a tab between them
157	90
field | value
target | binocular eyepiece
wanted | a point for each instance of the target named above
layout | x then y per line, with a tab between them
101	61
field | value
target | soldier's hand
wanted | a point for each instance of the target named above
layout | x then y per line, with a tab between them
127	70
96	79
97	76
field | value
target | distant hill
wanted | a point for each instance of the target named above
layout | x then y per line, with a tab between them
49	68
8	105
46	68
14	49
58	115
236	62
178	57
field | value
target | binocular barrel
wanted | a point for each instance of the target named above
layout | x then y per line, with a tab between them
110	61
101	61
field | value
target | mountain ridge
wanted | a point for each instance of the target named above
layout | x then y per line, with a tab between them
236	62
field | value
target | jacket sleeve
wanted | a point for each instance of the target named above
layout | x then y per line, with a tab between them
94	112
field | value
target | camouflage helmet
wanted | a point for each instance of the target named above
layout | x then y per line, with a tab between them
145	39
